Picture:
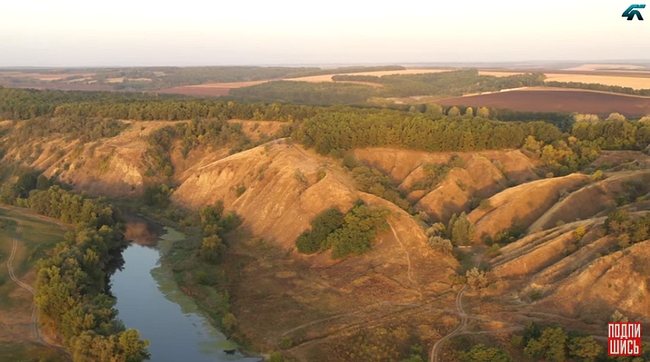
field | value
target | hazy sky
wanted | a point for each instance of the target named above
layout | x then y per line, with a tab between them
191	32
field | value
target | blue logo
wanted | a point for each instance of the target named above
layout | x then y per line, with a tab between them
631	12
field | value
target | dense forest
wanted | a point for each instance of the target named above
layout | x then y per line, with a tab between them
72	283
304	93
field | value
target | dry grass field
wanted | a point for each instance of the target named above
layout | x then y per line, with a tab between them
624	80
328	77
597	66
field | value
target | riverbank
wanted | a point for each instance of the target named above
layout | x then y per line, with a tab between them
169	299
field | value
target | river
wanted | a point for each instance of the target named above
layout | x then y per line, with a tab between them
149	300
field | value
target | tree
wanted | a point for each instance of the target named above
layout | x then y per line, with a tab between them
579	232
584	348
229	322
483	353
453	111
26	182
550	345
211	249
483	112
469	112
615	117
441	245
42	182
477	279
533	145
462	230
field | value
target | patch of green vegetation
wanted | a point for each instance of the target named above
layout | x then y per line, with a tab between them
628	230
349	234
369	179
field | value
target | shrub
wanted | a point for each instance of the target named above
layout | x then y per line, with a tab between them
240	190
579	232
493	251
441	245
286	342
485	204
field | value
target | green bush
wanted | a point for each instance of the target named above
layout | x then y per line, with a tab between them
352	233
240	190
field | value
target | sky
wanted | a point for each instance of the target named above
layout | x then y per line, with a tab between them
71	33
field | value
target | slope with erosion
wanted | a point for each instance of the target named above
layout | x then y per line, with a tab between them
593	198
615	281
522	205
312	299
117	166
571	275
113	166
481	175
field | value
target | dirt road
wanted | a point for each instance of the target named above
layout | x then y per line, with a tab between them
463	322
34	318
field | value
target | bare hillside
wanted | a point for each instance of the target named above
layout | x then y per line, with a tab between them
522	204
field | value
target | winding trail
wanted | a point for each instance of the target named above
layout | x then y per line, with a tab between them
408	260
36	332
463	322
34	317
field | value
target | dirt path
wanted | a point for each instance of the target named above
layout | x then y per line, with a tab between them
463	322
36	332
34	317
408	260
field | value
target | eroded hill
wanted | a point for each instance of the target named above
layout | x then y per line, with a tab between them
320	304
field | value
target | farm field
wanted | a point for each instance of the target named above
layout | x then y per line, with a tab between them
634	80
557	100
34	236
328	77
209	89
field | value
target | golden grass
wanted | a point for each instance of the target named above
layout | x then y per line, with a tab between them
497	73
328	77
622	81
114	80
599	66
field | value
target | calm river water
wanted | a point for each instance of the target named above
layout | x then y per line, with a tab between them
149	300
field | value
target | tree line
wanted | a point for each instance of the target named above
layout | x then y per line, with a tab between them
72	283
450	83
339	131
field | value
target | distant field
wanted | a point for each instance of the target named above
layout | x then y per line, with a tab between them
328	77
209	89
557	100
596	67
42	76
219	89
633	81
